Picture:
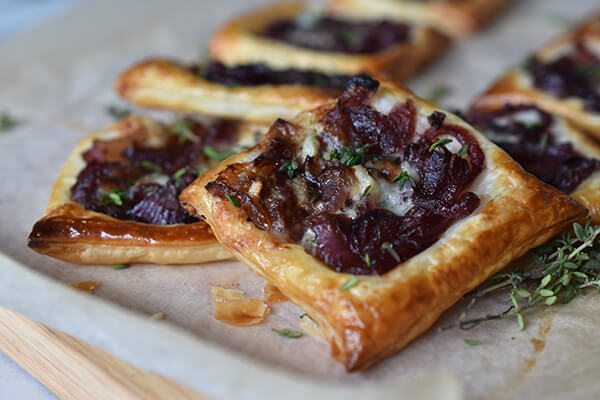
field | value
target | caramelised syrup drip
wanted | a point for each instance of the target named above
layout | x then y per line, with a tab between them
575	74
325	33
261	74
527	133
417	185
142	184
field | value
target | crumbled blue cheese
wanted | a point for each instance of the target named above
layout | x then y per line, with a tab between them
394	197
255	188
309	238
384	104
363	182
156	177
525	117
310	147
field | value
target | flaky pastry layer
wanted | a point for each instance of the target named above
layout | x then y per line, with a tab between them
381	314
516	86
238	42
165	84
71	233
587	192
455	17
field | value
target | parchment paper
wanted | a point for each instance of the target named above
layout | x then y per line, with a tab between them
57	80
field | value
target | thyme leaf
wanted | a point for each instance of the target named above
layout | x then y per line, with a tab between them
235	202
289	167
403	178
288	333
440	142
183	130
348	284
7	121
118	112
215	154
350	156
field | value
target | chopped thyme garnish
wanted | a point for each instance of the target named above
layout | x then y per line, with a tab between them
367	259
7	122
348	284
387	246
367	191
543	143
311	240
119	267
235	202
350	156
288	333
182	129
440	142
150	166
473	342
114	196
180	173
437	93
217	155
201	169
118	112
402	178
290	167
463	150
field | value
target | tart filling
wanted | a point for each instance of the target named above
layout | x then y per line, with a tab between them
261	74
363	189
574	74
532	137
326	33
130	181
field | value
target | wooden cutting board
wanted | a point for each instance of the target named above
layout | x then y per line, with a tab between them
72	369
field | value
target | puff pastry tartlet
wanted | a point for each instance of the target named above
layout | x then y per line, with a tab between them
290	35
548	146
251	92
562	78
115	200
375	214
454	17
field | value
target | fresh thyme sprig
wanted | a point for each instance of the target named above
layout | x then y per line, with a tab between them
557	273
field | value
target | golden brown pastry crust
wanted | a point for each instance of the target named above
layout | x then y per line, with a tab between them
515	85
588	191
165	84
382	314
236	43
455	17
71	233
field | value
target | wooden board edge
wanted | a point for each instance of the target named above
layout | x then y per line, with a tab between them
75	370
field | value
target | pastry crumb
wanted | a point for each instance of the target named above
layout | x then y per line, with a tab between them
221	293
158	316
89	287
273	295
244	312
